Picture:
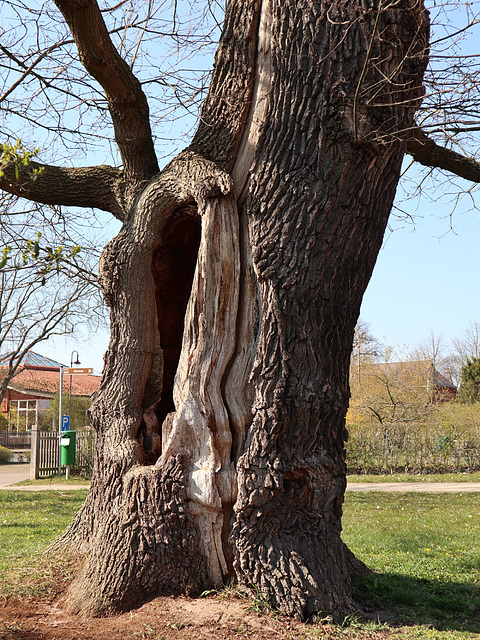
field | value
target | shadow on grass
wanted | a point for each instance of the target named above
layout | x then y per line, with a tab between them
405	600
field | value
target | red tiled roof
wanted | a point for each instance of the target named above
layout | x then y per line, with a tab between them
30	380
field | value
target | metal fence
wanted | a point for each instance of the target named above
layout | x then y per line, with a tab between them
15	440
411	448
45	448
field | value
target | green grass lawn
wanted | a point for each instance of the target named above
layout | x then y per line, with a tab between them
425	550
56	479
29	522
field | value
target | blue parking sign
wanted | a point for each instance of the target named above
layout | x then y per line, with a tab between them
65	423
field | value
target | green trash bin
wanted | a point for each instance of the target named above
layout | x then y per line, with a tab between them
67	448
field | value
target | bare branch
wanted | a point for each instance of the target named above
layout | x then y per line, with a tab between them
427	152
99	187
28	70
127	102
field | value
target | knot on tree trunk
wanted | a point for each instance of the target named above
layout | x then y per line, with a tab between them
211	187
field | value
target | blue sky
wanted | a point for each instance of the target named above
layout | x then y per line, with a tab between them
423	282
427	275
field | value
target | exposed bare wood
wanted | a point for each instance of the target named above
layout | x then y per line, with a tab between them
200	428
238	390
125	397
258	104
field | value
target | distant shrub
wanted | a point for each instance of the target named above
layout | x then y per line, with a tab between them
5	455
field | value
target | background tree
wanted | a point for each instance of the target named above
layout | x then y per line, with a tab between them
78	414
392	393
365	343
398	415
433	349
466	346
234	285
366	349
394	422
469	391
391	401
48	283
450	358
37	301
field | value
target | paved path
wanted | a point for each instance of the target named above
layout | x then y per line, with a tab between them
420	487
11	474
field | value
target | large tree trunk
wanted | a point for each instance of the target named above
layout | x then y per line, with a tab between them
234	286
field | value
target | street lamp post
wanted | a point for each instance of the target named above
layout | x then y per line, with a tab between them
60	412
77	361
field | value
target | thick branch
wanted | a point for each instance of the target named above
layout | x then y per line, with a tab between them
424	150
226	108
127	103
99	187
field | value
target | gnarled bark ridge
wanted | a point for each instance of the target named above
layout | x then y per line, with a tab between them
235	465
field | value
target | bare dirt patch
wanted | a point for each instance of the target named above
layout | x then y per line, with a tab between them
164	618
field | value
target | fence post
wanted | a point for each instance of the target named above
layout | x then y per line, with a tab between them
386	449
34	453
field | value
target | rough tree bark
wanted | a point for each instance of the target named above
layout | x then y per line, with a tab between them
234	287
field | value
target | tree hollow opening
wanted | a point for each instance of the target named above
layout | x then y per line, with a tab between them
173	267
